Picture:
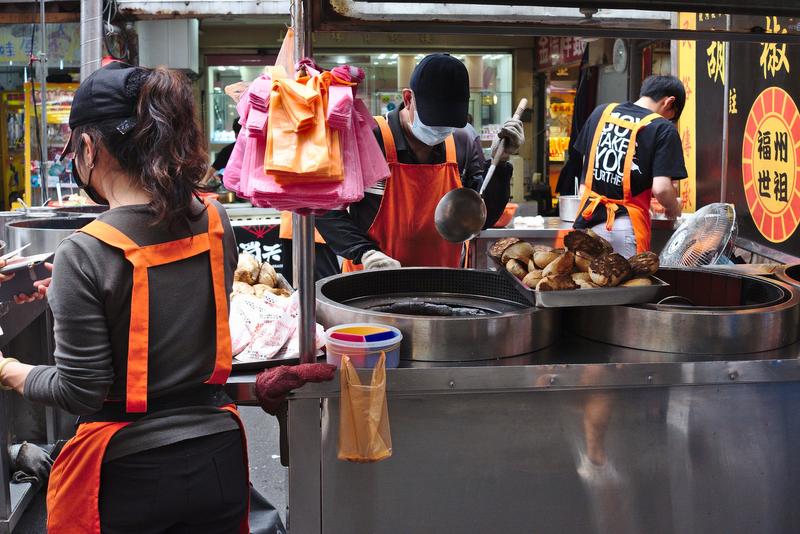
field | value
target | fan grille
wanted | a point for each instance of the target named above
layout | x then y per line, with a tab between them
703	239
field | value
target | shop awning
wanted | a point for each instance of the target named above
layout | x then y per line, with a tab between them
742	7
651	19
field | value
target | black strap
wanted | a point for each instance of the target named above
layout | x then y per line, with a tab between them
205	395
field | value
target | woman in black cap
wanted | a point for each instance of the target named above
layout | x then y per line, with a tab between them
140	302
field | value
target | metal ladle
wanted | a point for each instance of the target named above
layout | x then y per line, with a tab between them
461	213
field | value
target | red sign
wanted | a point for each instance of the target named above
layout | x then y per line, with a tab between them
554	51
770	158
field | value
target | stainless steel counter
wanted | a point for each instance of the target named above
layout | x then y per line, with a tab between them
563	366
26	336
578	437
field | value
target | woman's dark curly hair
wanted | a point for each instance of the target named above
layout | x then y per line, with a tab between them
165	150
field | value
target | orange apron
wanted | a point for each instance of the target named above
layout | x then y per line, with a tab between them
638	206
403	227
285	231
74	488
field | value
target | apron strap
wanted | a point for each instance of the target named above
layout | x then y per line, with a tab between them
593	152
142	258
450	150
626	171
388	140
224	357
138	332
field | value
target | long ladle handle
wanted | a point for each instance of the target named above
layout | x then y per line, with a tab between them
523	103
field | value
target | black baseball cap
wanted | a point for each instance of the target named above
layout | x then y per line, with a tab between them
103	96
441	90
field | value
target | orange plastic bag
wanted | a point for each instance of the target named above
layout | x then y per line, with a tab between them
299	147
364	434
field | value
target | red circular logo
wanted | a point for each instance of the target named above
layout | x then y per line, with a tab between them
770	154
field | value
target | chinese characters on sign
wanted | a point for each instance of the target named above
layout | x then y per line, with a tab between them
732	109
559	50
716	61
687	142
773	56
769	156
261	242
701	17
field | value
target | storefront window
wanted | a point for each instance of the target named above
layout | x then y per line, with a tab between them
224	70
389	72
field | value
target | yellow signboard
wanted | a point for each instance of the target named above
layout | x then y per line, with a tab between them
687	126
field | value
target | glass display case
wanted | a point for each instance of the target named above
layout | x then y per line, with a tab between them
224	70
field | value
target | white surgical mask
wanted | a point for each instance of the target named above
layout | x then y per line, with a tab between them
430	135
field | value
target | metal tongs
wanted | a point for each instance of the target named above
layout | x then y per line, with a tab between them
14	252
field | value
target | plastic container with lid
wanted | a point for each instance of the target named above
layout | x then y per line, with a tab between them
363	343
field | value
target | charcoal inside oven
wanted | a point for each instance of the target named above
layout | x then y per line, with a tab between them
430	309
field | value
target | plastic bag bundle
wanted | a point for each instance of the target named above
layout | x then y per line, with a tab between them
364	434
307	143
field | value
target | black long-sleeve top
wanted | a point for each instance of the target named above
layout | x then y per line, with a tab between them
345	231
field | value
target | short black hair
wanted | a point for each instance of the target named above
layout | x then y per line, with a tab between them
236	127
658	87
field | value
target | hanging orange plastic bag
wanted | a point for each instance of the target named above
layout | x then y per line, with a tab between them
286	57
364	434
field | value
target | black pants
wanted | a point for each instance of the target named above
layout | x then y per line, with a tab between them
325	261
196	486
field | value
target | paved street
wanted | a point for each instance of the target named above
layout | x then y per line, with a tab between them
266	472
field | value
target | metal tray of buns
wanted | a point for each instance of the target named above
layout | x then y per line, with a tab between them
601	296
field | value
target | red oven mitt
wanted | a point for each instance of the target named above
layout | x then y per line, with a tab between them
272	385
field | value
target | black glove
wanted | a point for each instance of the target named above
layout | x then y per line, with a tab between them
29	463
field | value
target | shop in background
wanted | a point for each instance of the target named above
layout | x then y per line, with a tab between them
559	59
490	76
20	110
223	70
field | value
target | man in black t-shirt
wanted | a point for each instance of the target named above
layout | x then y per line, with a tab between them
619	185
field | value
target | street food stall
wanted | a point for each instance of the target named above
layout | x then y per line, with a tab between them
667	416
672	415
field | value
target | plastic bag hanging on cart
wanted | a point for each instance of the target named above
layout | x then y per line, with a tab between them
364	434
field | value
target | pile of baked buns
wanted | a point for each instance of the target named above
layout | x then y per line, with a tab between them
587	261
255	278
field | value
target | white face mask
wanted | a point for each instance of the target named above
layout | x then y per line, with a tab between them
430	135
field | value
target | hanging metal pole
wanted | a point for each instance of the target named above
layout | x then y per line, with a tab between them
303	225
43	99
91	36
726	87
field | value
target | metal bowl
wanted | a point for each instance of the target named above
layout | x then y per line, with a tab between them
489	318
81	210
701	312
44	235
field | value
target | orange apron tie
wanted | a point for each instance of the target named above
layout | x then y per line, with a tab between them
286	230
74	488
638	206
403	227
142	258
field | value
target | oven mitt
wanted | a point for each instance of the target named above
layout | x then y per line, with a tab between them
29	463
272	385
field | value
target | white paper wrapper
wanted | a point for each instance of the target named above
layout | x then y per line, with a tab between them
266	328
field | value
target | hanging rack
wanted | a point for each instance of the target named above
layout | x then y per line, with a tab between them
303	225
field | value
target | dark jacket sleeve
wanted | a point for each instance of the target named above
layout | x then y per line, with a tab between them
499	189
341	229
343	235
